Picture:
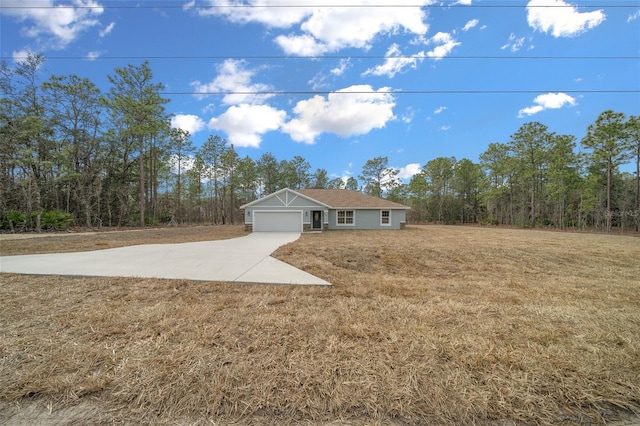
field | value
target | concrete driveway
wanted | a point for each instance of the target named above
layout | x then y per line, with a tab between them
245	260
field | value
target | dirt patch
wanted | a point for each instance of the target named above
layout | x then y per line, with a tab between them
28	413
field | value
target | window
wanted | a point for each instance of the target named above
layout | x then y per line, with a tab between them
385	217
345	217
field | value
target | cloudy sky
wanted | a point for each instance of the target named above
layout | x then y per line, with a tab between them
340	82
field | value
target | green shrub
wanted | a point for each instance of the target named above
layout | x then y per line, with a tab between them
490	221
56	220
13	217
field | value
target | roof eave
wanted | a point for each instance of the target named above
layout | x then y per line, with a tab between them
374	208
274	194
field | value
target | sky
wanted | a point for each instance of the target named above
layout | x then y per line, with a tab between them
340	82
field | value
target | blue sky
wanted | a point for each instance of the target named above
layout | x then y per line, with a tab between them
341	82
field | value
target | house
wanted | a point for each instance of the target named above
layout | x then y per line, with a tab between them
319	209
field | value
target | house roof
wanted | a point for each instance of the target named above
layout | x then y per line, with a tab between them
335	199
284	192
344	198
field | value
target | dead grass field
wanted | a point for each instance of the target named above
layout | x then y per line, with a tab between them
429	325
16	244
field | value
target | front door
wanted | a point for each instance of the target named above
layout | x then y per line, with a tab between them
316	219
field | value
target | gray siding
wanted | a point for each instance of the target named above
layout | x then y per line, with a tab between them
281	201
306	212
369	219
286	200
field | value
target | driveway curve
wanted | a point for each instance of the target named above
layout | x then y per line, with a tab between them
244	260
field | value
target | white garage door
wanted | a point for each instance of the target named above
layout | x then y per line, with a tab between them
277	221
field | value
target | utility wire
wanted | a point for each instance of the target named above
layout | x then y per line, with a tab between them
318	6
396	92
377	57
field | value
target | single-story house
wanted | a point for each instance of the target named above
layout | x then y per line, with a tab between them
319	209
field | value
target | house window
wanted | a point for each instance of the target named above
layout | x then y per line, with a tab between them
385	217
345	217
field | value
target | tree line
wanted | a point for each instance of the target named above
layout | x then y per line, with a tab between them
538	178
70	153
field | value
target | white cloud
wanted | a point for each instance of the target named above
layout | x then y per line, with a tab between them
634	16
107	30
53	24
445	128
445	43
394	64
355	110
409	171
547	101
21	55
439	109
190	5
317	82
343	27
92	56
471	24
464	2
301	45
321	28
514	44
245	124
408	116
265	14
188	122
342	67
561	19
234	79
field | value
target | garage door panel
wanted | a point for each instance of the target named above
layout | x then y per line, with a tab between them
277	221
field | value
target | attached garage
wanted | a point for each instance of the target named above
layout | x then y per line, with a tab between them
277	221
287	210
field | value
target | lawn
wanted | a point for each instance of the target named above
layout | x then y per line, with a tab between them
428	325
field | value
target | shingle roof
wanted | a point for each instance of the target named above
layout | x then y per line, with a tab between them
343	198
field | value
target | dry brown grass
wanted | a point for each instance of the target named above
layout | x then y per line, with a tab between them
16	244
430	325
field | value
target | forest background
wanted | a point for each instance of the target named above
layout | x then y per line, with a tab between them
73	154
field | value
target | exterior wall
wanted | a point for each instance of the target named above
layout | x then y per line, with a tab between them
369	219
306	227
285	200
288	200
306	214
399	218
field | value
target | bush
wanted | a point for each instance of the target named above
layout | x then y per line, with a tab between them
56	220
490	221
13	219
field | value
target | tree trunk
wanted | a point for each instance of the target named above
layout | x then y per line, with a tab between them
142	192
533	201
637	212
608	213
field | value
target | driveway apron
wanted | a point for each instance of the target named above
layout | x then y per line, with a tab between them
244	260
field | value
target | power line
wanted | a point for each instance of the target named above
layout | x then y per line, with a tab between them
395	92
317	6
315	57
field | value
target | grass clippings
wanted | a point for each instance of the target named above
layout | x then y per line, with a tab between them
429	325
